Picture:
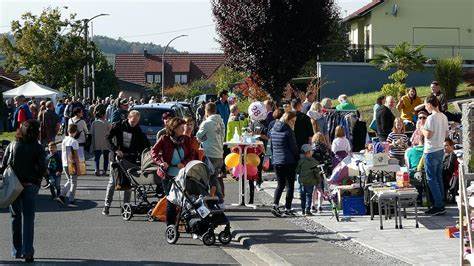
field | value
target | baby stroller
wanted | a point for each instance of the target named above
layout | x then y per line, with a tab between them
199	213
144	183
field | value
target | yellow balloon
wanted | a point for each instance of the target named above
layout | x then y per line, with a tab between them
252	159
232	160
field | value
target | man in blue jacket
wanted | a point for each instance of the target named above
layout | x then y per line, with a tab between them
222	106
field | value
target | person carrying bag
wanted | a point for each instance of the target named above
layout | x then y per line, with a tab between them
11	187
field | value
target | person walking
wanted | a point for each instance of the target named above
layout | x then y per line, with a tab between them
435	131
201	113
70	147
49	124
120	114
303	127
22	112
378	103
222	107
211	134
172	152
127	141
308	101
25	150
285	156
100	130
82	130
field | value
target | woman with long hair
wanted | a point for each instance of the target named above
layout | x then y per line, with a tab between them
26	150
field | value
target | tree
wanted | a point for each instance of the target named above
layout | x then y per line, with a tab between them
273	39
403	57
105	80
225	77
48	46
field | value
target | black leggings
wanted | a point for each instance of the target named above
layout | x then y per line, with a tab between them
171	212
285	174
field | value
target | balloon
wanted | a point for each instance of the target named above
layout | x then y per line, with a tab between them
252	159
251	171
232	160
238	171
257	111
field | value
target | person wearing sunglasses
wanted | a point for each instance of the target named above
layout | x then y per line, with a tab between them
420	123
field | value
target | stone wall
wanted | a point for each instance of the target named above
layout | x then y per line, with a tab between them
468	136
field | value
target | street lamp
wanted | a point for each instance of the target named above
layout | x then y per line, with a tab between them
163	65
86	67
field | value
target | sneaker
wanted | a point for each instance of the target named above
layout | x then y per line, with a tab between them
72	205
320	209
259	187
105	211
97	173
195	236
289	212
46	186
29	259
276	212
303	212
59	200
62	199
309	213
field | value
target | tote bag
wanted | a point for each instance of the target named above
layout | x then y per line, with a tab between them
11	187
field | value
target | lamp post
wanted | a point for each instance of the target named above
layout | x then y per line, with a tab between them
86	67
163	65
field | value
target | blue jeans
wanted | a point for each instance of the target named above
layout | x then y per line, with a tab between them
97	155
434	169
24	206
306	195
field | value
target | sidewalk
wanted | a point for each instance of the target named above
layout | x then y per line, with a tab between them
426	245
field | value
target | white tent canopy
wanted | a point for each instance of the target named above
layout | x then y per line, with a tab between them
33	89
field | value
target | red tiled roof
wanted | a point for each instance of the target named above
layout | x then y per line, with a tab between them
132	67
363	10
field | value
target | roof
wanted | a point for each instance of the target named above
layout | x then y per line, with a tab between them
129	86
363	10
132	67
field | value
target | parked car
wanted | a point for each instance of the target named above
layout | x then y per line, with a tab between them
151	116
203	97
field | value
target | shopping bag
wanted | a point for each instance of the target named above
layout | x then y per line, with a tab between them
159	212
11	187
266	163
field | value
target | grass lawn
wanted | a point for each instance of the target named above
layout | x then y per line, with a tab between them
365	101
7	136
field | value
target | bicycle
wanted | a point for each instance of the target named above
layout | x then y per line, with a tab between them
329	195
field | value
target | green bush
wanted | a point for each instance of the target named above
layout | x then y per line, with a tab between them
448	72
399	76
202	86
178	92
393	89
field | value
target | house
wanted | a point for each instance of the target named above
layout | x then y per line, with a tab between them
145	69
445	28
7	80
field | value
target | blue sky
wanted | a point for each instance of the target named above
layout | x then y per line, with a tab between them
143	20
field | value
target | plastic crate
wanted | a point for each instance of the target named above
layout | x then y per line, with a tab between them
353	205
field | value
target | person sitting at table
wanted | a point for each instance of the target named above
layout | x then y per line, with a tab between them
413	158
420	123
398	141
406	105
450	171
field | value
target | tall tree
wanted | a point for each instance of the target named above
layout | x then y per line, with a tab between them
273	39
48	46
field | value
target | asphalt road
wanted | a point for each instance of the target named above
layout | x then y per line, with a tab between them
84	235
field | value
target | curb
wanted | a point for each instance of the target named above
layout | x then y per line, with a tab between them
264	253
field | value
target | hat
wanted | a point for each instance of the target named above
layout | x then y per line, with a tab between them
305	148
123	102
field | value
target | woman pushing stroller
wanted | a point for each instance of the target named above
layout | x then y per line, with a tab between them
172	152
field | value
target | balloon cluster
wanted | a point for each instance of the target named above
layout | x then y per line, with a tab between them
251	160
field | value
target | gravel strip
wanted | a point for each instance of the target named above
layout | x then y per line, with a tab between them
336	239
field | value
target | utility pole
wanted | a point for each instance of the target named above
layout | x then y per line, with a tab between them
84	71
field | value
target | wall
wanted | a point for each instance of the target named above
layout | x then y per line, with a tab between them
354	78
427	22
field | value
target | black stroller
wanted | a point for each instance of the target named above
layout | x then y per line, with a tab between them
200	213
144	183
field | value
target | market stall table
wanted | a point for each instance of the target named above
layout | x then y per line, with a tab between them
243	147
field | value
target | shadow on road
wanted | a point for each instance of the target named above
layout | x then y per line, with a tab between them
44	203
65	261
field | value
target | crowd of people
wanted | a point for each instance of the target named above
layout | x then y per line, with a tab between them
295	134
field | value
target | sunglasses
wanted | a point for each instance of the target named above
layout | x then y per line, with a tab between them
422	117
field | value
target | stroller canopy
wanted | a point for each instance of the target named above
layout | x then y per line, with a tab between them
193	178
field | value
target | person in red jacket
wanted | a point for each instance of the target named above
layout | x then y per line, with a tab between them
172	152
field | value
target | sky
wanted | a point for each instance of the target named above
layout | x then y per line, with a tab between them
155	21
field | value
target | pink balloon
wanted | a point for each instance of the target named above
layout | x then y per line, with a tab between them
251	171
238	171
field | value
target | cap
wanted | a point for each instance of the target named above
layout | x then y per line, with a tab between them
305	148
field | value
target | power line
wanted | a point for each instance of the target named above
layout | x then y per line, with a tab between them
166	32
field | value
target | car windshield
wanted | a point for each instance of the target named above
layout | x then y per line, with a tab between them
152	117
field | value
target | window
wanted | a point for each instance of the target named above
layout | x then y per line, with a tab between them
181	78
153	78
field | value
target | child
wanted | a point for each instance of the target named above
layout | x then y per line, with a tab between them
398	141
55	168
450	169
308	176
413	160
323	155
70	143
340	145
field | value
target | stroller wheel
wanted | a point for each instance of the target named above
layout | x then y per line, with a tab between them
149	216
225	237
209	238
172	234
127	212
